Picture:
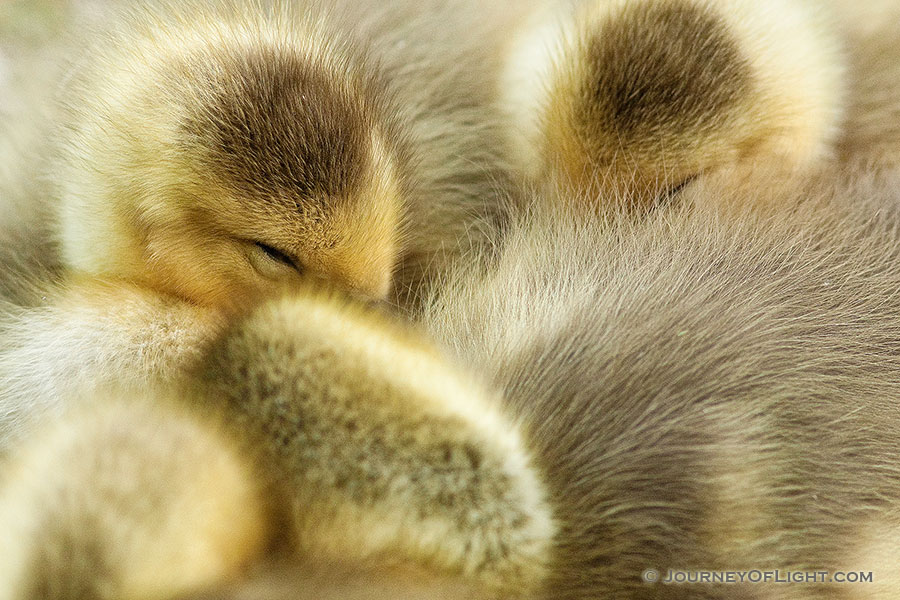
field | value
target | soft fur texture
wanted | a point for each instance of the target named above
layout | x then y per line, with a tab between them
650	93
872	128
709	384
87	335
216	151
174	146
683	383
712	388
381	460
371	430
170	506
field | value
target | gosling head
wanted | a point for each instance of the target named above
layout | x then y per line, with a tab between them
233	164
644	95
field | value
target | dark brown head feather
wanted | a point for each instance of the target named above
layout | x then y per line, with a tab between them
657	71
279	124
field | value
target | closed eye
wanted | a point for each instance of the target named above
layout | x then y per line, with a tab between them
278	256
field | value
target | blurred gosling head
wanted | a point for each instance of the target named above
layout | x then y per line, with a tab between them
648	94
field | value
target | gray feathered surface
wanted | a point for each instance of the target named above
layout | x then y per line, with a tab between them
714	387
